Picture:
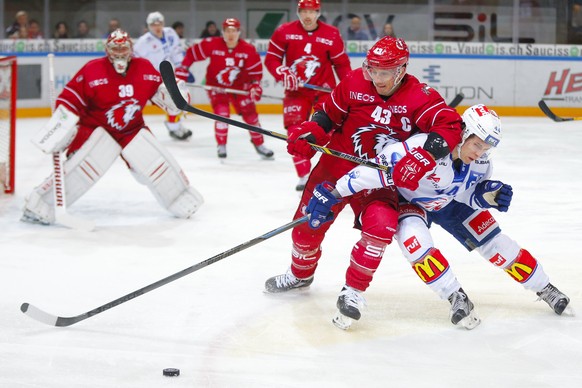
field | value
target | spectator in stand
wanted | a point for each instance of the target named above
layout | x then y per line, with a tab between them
20	21
61	31
355	30
179	28
83	31
34	30
113	25
210	31
388	30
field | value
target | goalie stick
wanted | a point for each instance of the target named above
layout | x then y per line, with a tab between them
228	90
548	112
456	100
52	320
62	217
169	78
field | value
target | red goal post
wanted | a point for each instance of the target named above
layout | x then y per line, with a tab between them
8	82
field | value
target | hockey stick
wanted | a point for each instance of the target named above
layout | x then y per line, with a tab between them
547	111
456	100
168	76
52	320
228	90
62	217
315	87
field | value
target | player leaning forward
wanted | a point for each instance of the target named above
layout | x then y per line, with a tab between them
455	194
375	105
99	117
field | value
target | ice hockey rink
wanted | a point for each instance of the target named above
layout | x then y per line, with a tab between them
218	327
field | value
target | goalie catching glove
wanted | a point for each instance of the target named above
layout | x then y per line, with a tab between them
409	170
163	99
320	205
58	133
300	136
493	194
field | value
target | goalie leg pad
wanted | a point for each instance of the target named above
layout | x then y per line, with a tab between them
82	170
152	165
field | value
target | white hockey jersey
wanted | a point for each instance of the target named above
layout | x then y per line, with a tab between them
436	189
156	50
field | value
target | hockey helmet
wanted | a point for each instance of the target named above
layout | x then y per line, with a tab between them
119	49
309	4
155	17
482	122
231	22
387	59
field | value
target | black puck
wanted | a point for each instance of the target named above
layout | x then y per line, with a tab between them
170	372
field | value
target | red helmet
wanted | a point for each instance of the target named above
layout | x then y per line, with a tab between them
231	22
309	4
119	49
389	52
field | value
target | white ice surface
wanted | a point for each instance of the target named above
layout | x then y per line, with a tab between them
219	328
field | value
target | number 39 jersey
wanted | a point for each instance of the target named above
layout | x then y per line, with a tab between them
368	122
103	98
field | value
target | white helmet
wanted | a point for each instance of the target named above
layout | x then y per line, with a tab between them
482	122
155	17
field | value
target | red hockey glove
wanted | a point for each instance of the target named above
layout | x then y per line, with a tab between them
290	81
301	135
256	91
409	170
182	73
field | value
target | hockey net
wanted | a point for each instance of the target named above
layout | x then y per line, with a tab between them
7	123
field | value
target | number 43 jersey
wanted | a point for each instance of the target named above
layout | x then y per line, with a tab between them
367	122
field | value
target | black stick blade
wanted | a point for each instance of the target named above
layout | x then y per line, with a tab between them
548	112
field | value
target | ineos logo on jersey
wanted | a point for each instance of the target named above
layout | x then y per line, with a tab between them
293	37
219	53
152	77
398	108
361	96
97	82
328	42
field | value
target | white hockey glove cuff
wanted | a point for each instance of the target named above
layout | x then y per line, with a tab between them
58	132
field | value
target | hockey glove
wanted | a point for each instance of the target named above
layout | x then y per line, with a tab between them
256	91
289	79
182	73
301	135
493	194
409	170
320	205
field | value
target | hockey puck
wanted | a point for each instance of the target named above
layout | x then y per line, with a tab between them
171	372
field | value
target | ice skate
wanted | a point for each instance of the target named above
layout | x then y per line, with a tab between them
302	182
554	298
349	303
286	282
462	310
221	151
264	152
177	131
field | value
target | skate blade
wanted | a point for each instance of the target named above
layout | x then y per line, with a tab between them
471	321
341	321
569	311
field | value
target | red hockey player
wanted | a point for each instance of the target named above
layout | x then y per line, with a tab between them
234	64
373	106
305	51
98	117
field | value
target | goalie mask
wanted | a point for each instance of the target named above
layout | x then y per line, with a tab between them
386	62
119	49
483	123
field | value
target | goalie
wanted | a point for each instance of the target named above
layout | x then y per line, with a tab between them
98	117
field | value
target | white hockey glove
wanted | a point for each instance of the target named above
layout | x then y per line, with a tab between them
58	132
163	99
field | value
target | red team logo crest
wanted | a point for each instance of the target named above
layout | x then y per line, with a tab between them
305	67
120	115
369	141
227	76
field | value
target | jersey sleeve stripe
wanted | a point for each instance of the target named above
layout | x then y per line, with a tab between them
437	113
339	55
253	66
426	110
275	45
276	55
76	95
337	106
68	104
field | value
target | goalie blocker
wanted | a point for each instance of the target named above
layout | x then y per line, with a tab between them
148	161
